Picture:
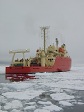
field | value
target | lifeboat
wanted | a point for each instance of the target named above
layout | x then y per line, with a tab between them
50	59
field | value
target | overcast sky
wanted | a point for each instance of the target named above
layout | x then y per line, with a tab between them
20	22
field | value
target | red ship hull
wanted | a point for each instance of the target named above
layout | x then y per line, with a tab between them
62	64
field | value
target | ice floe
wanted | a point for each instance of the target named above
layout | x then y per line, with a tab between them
52	108
45	103
65	103
29	107
61	96
13	105
23	95
41	110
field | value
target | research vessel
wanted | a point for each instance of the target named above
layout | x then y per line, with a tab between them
53	58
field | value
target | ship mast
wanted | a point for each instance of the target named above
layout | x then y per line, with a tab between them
57	42
44	31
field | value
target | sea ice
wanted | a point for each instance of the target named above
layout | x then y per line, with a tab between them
3	99
18	85
15	110
23	95
3	111
13	105
65	103
61	87
52	108
45	103
29	107
80	103
2	69
41	110
61	96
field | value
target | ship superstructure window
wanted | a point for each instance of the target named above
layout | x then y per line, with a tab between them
50	59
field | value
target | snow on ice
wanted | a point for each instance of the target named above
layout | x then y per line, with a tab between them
51	92
13	104
2	69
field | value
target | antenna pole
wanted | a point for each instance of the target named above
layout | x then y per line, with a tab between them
44	31
57	42
44	39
